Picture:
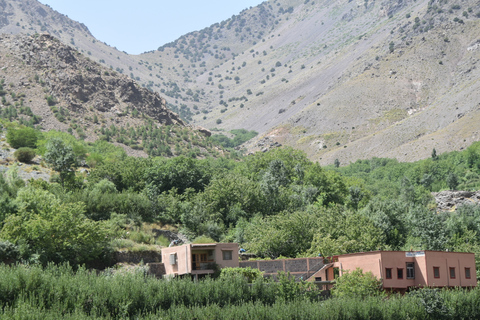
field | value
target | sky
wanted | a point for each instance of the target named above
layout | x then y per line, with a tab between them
143	25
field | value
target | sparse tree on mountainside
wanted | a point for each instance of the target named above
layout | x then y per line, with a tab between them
61	158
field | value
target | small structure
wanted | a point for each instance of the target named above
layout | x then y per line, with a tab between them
401	270
199	259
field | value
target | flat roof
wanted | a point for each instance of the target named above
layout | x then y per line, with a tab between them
379	251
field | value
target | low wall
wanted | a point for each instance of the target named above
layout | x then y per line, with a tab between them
137	257
156	269
301	268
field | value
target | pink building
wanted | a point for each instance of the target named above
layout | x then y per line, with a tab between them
199	259
400	270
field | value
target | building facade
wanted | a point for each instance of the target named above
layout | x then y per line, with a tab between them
199	259
401	270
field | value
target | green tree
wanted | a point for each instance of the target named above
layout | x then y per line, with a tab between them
285	234
22	137
336	163
61	158
344	232
452	181
357	285
54	230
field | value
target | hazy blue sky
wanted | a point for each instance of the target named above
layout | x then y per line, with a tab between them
144	25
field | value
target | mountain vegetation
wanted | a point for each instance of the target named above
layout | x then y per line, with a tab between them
344	80
46	84
275	204
379	99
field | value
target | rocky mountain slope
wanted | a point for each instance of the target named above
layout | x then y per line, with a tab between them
44	82
340	80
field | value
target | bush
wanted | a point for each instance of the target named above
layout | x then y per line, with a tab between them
8	251
24	154
356	284
51	101
248	273
22	137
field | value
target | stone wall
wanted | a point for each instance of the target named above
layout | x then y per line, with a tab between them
301	268
137	257
156	269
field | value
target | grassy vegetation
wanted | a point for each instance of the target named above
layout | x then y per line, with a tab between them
54	292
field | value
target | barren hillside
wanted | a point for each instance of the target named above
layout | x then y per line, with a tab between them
341	80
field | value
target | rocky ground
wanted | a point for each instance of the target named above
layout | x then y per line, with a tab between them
451	200
36	169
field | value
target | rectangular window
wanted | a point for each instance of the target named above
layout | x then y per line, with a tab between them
410	270
388	273
452	273
467	273
399	273
173	258
227	255
436	272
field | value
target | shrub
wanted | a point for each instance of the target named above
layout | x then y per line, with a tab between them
23	137
51	101
203	239
8	251
356	284
24	154
248	273
433	303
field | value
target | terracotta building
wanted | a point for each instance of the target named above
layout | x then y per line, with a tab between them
199	259
401	270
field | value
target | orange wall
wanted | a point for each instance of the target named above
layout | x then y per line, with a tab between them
367	261
219	256
377	262
184	262
446	260
184	257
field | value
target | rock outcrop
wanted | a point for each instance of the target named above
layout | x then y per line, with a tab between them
79	83
450	200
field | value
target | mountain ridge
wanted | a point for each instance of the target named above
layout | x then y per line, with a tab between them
339	80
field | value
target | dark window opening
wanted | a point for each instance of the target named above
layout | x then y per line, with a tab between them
388	273
436	272
452	273
399	273
467	273
410	270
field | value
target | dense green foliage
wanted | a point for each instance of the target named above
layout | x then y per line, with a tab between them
356	284
239	136
275	204
22	137
58	292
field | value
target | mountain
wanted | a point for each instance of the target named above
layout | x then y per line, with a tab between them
340	80
46	83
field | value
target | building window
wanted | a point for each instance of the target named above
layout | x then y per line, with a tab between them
436	272
388	273
399	273
452	273
227	255
467	273
410	270
173	258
